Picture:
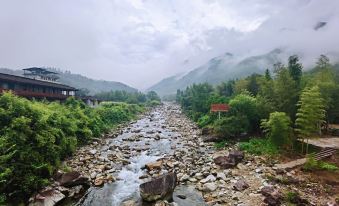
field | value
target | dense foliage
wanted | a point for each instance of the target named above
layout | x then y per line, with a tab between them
284	103
36	136
151	98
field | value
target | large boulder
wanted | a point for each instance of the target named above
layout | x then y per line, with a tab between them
71	179
225	162
272	196
233	158
188	196
158	188
47	197
237	155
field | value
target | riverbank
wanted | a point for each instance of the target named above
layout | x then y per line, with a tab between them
164	141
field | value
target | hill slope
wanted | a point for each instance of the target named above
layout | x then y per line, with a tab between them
78	81
218	69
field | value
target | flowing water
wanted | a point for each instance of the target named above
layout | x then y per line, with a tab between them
146	149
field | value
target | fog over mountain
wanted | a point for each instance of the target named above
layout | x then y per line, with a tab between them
140	42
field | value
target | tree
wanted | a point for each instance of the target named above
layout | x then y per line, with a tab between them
268	75
285	93
295	68
226	88
245	104
278	129
310	115
253	85
152	95
323	62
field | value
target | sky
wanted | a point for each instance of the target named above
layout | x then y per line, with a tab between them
139	42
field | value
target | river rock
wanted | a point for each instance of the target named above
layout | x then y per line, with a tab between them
209	187
221	176
188	196
158	188
154	165
240	185
224	162
49	197
71	179
99	181
272	196
209	178
237	155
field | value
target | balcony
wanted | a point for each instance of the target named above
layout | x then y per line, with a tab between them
39	95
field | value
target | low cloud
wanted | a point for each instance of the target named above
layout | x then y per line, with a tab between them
139	42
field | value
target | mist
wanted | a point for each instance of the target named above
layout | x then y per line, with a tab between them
139	42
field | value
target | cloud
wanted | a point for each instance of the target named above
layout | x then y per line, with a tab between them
141	41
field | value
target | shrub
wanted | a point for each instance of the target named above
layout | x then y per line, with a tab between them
278	129
220	145
259	147
36	136
312	164
231	126
204	121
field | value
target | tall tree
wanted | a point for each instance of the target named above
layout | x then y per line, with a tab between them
285	93
268	74
226	88
295	68
310	115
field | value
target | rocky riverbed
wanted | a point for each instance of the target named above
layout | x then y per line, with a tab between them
165	144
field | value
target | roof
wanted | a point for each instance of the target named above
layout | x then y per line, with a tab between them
25	80
40	70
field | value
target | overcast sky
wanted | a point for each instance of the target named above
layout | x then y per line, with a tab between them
139	42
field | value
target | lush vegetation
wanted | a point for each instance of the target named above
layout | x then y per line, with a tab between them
312	164
151	98
259	147
36	136
284	105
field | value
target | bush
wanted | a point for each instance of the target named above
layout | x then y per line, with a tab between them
204	121
259	147
220	145
36	136
231	126
153	103
312	164
278	129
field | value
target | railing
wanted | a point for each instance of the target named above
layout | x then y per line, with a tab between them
26	93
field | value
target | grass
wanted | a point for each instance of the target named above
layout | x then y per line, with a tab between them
291	196
259	146
221	144
312	164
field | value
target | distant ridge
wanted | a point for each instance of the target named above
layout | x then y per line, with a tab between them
218	69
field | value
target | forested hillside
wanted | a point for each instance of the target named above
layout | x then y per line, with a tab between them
87	85
284	105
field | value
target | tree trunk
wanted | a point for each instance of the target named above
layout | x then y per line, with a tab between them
302	146
307	146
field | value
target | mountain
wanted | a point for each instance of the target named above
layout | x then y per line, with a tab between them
81	82
218	69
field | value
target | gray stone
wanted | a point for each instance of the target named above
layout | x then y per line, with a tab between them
158	188
48	197
210	187
188	196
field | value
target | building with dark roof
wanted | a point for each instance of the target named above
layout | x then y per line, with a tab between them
36	83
